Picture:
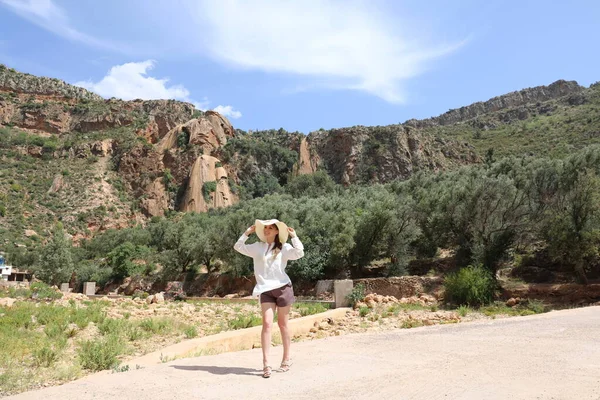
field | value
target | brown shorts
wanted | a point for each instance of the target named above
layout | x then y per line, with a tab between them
283	296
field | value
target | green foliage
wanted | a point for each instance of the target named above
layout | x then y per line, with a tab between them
357	294
311	185
92	271
244	321
41	291
552	129
208	188
363	311
55	264
471	286
571	223
310	308
183	138
157	326
260	185
190	331
128	259
268	149
98	355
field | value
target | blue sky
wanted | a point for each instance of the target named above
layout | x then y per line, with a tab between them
305	65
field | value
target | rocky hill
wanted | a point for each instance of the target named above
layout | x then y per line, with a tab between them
97	163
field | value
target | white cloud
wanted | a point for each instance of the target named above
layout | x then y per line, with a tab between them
228	111
53	18
131	81
342	44
334	44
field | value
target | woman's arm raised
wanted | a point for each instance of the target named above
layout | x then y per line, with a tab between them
241	246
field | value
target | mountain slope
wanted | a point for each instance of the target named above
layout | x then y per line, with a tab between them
70	155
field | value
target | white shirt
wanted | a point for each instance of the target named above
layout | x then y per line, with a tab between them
269	271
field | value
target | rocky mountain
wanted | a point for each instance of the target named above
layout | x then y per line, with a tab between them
98	163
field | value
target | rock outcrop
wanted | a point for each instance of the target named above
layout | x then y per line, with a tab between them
560	88
156	199
209	132
380	154
49	88
54	106
308	161
207	186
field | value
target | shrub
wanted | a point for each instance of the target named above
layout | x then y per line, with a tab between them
44	357
41	291
472	286
245	321
357	294
98	355
208	188
190	332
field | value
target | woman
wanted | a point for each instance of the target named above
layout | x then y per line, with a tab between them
273	285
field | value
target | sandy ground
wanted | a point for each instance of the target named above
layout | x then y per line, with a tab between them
548	356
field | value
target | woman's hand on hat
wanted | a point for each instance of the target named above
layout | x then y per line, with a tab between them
250	230
292	231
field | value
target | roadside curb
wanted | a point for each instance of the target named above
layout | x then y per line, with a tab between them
241	339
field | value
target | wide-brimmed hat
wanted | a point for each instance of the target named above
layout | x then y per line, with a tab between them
260	229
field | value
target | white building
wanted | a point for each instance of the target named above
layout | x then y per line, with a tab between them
5	271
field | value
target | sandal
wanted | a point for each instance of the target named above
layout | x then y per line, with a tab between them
285	365
267	371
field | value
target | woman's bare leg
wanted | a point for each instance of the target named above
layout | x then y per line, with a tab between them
268	311
283	315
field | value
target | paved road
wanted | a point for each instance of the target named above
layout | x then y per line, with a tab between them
549	356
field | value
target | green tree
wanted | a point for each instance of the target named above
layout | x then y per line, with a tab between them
312	185
571	223
55	264
128	259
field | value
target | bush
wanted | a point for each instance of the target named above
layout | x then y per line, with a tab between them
123	260
208	188
44	357
472	286
98	355
357	294
245	321
42	291
190	332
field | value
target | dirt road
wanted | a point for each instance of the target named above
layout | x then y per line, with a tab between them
550	356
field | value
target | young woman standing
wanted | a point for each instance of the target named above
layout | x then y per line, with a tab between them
273	285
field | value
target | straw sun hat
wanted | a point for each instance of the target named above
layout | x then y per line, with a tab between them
260	229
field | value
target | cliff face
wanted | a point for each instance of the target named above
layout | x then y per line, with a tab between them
207	186
380	154
147	157
513	100
172	135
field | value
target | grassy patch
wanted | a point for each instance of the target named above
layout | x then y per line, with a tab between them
190	332
98	355
411	323
310	308
526	308
245	321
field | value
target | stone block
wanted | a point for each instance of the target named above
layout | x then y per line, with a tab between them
89	288
341	290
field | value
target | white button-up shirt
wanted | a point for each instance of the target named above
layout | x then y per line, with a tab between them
269	270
